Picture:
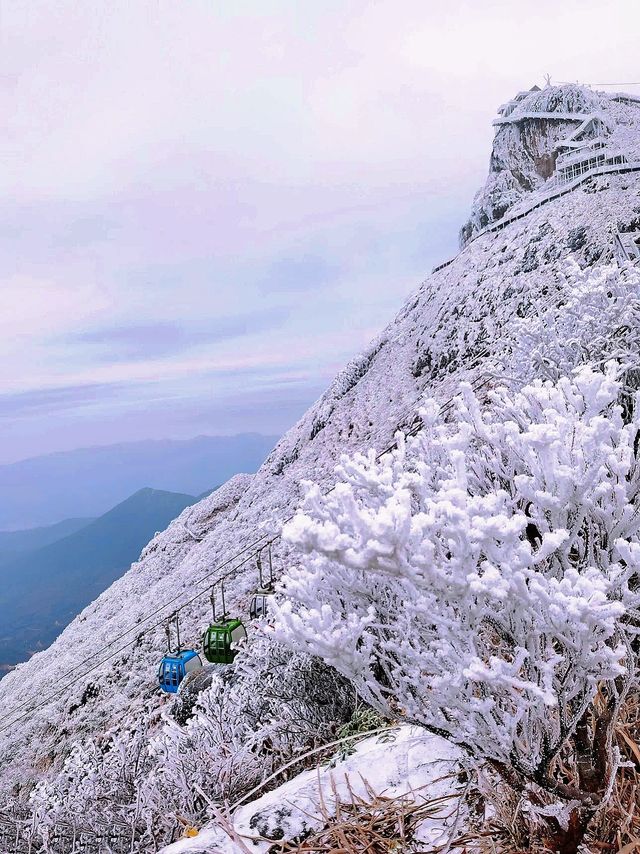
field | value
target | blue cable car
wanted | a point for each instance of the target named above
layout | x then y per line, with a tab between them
175	665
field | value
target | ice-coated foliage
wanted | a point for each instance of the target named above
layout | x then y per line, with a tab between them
250	719
591	317
402	763
98	784
482	579
566	98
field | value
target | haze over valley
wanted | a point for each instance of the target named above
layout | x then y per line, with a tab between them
42	491
128	492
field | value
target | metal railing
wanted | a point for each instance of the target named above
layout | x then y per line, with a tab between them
543	198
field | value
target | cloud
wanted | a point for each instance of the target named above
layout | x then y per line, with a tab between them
155	340
202	199
54	400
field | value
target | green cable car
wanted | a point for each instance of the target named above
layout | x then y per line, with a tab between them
223	633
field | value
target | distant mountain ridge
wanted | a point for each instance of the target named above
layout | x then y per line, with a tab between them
40	491
43	589
14	543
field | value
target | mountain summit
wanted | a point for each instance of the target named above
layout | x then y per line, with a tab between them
545	139
88	481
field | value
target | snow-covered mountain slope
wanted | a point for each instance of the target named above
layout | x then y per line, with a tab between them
507	303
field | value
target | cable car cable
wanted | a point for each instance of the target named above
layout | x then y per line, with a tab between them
160	622
154	613
49	698
250	547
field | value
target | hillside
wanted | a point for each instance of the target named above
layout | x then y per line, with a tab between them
13	543
529	300
87	482
42	590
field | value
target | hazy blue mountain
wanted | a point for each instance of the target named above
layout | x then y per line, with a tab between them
42	590
14	543
87	482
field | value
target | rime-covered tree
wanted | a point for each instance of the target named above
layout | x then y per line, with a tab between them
229	728
482	580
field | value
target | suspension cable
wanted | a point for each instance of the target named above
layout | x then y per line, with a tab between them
250	547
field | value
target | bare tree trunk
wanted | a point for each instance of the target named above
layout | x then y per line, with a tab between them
568	840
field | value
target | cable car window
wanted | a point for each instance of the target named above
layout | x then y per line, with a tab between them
193	664
238	634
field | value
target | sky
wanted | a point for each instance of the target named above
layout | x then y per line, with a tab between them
210	206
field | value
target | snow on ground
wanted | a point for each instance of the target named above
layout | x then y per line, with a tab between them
413	761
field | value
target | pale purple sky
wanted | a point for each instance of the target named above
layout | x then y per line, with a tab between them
209	207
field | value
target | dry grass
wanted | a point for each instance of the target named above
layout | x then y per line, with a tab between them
374	823
617	827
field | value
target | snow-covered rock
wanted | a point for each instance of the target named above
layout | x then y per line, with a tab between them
529	138
405	761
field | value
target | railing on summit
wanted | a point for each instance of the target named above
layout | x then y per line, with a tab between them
614	169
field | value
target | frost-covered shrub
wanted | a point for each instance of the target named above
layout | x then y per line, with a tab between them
253	717
482	580
590	316
250	718
97	786
529	259
577	238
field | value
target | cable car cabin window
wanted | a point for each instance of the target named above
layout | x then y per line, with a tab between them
259	606
218	639
193	664
238	634
173	669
